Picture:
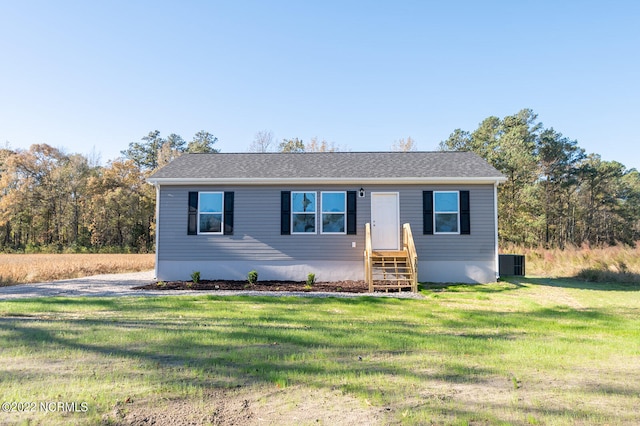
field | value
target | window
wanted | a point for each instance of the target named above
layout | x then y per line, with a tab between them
210	212
334	207
446	212
215	215
303	212
298	212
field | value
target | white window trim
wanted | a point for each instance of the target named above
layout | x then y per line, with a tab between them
315	213
221	213
436	212
344	212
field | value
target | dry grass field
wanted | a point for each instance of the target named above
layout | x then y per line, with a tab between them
30	268
606	264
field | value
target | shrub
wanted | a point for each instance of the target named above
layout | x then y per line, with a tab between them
195	277
252	277
311	279
596	275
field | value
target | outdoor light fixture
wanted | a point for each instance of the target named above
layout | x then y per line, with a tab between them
361	192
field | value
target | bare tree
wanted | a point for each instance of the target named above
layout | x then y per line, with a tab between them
403	145
262	141
320	146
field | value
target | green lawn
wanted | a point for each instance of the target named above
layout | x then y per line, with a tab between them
522	351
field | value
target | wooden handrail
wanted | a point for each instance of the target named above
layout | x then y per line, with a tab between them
368	254
410	247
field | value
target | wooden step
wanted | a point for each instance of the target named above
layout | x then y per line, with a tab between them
391	286
386	264
390	253
391	279
386	284
391	267
391	276
399	269
392	272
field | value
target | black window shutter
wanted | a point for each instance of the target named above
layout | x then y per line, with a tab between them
228	213
192	227
465	213
427	212
351	213
285	213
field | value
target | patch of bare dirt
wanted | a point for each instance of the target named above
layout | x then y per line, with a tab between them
327	287
249	406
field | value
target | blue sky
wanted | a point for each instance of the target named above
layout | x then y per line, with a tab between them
85	75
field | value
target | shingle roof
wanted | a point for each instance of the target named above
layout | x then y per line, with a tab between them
327	166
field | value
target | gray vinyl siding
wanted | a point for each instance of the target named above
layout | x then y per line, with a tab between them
256	234
478	246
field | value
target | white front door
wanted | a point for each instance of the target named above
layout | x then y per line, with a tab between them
385	221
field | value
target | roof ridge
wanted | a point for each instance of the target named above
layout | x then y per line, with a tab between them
328	152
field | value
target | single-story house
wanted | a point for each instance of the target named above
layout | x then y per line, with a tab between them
289	214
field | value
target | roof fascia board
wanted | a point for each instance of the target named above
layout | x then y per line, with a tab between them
326	181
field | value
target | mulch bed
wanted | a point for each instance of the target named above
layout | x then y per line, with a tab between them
329	287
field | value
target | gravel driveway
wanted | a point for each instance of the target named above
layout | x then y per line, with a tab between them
97	285
122	285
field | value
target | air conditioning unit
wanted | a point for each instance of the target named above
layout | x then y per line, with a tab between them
511	264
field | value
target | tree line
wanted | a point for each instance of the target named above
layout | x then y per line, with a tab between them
51	201
556	195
